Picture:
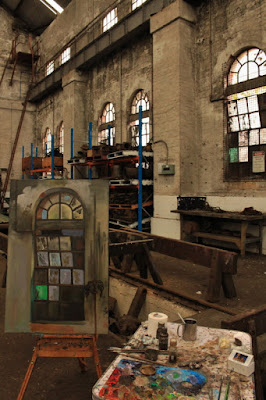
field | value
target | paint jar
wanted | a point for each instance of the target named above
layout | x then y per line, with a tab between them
163	339
172	350
160	326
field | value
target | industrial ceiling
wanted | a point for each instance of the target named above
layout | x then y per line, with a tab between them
32	15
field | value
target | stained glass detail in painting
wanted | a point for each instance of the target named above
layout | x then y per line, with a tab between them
55	259
67	259
53	293
65	243
40	292
53	276
41	243
65	276
78	277
53	243
233	154
42	259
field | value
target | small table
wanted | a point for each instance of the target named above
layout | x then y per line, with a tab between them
123	379
244	220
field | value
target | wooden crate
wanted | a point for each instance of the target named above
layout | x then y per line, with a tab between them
47	162
26	163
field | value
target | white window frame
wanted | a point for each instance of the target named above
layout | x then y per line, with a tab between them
65	55
49	68
137	3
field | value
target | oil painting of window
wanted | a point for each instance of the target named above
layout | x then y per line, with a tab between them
58	246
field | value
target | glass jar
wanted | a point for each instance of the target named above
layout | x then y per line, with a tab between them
172	350
160	326
163	339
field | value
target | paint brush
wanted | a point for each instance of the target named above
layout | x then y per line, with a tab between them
220	390
180	316
227	389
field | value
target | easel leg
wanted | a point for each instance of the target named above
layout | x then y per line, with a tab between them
96	358
28	375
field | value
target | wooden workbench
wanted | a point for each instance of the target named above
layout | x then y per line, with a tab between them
240	241
121	381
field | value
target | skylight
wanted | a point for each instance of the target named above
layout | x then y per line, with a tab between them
53	6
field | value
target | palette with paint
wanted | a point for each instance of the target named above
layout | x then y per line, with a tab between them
135	380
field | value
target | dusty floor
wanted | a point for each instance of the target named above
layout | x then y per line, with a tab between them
61	379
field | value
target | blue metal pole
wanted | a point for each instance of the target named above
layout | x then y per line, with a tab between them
72	149
36	151
52	156
109	135
45	149
140	172
31	160
90	146
90	135
23	153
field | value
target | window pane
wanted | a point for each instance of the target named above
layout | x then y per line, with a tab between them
53	293
244	122
53	243
254	137
40	292
243	138
65	276
54	212
78	213
253	103
55	259
78	277
232	108
42	259
243	154
243	58
53	275
263	136
255	120
233	155
65	243
261	57
234	124
41	243
262	69
242	106
66	212
252	54
243	73
67	259
253	70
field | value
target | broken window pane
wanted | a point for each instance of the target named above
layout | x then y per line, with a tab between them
232	108
234	124
53	293
40	292
42	259
78	277
67	259
252	54
254	137
243	138
65	276
55	259
262	69
41	243
78	213
244	122
40	276
53	275
53	243
233	155
75	203
243	154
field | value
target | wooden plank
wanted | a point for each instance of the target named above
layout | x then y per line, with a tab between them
215	280
217	236
241	321
228	286
221	215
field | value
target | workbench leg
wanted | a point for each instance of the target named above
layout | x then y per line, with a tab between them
96	358
244	227
228	286
27	376
260	237
215	279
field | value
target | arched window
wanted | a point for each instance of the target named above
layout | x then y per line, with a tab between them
106	124
140	99
58	280
61	138
246	116
47	142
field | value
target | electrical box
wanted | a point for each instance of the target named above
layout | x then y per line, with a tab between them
241	362
166	169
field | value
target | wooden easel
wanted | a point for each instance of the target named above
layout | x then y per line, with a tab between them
78	346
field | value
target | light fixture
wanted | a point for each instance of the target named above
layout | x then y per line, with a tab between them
53	6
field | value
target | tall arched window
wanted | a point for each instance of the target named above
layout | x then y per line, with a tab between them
246	116
47	142
58	280
61	137
140	99
106	124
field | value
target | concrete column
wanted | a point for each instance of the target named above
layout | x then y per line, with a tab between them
173	109
74	111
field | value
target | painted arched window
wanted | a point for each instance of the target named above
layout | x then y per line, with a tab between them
47	142
140	99
58	280
107	125
246	128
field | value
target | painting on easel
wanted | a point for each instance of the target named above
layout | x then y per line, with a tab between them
57	256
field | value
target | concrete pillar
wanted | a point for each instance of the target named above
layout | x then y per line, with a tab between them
173	109
74	111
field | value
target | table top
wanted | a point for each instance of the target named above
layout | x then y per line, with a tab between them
124	380
223	215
